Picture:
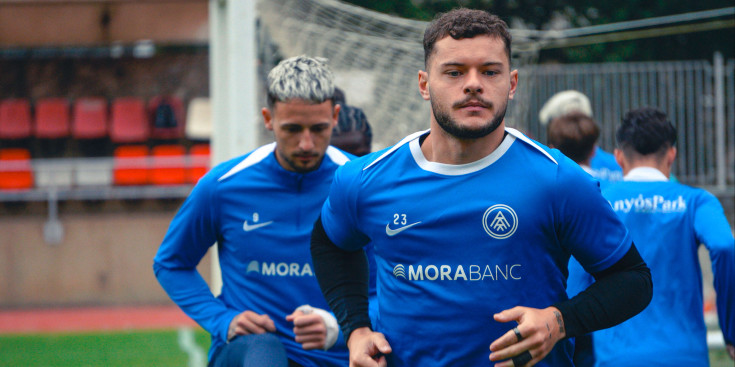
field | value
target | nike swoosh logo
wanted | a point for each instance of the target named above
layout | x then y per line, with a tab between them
249	227
392	232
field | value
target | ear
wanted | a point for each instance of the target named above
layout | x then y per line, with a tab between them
620	158
267	118
670	156
335	117
424	89
513	84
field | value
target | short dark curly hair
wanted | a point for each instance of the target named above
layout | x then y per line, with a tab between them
464	23
645	131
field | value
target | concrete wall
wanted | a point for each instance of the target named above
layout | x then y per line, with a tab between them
31	23
105	258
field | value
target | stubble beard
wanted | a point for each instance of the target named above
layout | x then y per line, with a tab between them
451	127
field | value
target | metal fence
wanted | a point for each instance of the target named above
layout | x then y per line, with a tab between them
698	96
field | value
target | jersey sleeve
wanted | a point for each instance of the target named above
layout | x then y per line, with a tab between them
339	212
191	233
712	230
587	226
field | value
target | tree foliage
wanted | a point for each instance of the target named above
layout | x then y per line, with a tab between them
560	14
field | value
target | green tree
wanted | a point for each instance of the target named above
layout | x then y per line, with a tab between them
548	14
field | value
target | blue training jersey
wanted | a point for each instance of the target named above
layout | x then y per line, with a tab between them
668	221
261	217
455	244
604	167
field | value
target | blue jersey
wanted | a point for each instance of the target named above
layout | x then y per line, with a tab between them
668	221
261	217
604	167
455	244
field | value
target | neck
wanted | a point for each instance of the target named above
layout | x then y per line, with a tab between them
658	164
442	147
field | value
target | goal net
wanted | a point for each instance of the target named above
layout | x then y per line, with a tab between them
375	58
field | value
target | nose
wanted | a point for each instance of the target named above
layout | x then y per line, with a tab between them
473	84
306	142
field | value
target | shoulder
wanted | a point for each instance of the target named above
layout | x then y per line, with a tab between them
230	168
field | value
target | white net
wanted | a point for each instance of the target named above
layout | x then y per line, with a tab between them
375	57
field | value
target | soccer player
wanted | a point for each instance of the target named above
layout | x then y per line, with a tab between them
668	221
260	208
602	165
352	133
472	225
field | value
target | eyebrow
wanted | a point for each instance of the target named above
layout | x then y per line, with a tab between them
457	63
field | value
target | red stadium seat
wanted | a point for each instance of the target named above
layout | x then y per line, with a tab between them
130	165
15	119
166	115
89	118
129	122
52	118
169	165
16	172
199	161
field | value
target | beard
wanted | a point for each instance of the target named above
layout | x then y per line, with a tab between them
452	128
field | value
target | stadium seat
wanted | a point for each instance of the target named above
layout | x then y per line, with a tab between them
15	169
168	165
53	172
90	126
199	161
52	118
199	120
51	127
93	172
129	122
166	115
130	165
89	118
15	121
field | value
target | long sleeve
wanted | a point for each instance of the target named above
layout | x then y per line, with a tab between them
712	229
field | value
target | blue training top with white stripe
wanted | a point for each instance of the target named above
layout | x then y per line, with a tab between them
261	217
455	244
668	221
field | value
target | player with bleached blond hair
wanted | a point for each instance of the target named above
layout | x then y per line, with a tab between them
259	209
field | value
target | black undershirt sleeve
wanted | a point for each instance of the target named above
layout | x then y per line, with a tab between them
619	293
343	279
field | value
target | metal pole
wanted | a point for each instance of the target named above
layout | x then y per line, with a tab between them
720	133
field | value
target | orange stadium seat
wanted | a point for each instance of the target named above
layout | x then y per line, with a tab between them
15	169
169	165
129	122
130	165
199	160
15	119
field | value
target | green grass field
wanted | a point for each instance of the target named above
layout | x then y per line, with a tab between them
108	349
128	349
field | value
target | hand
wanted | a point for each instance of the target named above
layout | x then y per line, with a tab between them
367	348
539	330
250	322
730	351
310	328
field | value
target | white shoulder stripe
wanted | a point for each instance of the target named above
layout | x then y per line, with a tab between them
337	156
528	141
395	147
256	156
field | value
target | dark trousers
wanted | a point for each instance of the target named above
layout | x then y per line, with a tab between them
256	350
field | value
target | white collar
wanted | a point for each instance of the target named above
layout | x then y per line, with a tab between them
645	174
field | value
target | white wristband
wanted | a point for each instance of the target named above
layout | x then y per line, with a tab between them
329	321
